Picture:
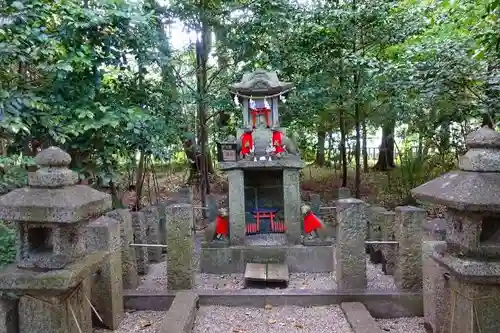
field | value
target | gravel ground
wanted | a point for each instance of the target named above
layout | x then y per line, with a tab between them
138	321
156	279
403	325
321	319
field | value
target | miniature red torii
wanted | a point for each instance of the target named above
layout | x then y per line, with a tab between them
255	111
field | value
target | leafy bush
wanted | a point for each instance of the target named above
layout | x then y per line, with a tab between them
7	245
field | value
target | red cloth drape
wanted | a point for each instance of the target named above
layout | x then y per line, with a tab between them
311	223
278	141
246	143
222	226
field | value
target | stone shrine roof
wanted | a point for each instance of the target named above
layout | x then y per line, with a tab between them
260	83
476	186
52	195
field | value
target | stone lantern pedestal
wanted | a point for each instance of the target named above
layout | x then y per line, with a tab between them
471	283
52	268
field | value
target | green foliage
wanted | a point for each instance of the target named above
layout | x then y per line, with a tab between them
7	245
86	77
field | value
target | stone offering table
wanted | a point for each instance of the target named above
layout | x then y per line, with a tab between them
52	269
467	296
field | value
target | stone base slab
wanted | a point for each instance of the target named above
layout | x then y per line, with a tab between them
54	282
359	318
380	304
181	314
299	258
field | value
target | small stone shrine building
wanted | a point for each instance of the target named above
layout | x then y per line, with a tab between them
263	165
466	298
52	269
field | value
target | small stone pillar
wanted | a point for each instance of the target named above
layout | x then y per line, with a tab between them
350	253
472	256
129	258
152	220
140	237
180	247
52	261
344	193
408	272
236	200
107	285
292	203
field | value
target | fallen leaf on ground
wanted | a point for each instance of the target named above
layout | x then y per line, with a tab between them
299	325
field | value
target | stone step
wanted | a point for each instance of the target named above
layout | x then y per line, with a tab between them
267	272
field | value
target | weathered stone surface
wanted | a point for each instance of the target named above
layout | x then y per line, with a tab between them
300	259
359	318
350	260
388	250
152	219
9	319
212	208
408	273
273	164
435	290
107	286
435	230
344	193
236	207
293	216
260	82
140	237
56	205
54	281
180	247
181	314
53	157
129	258
476	307
39	314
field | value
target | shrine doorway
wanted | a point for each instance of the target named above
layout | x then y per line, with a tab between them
264	202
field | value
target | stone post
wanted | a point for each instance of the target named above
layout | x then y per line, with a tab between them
293	216
388	250
107	287
211	208
140	237
344	193
350	253
236	200
129	257
408	272
180	247
152	219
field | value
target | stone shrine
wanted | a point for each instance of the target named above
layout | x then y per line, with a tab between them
466	297
52	269
263	166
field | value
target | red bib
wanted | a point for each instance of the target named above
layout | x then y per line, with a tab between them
311	223
246	143
221	226
278	141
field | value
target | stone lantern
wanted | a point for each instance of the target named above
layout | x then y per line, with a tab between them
52	263
471	261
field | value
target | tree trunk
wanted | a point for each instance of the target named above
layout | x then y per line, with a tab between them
343	153
320	149
386	150
202	50
492	96
365	148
